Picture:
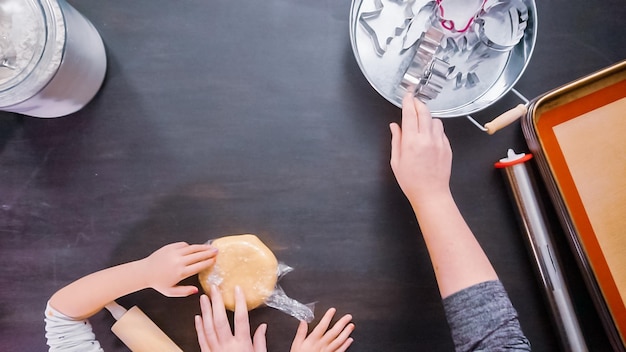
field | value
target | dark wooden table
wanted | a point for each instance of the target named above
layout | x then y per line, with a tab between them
222	117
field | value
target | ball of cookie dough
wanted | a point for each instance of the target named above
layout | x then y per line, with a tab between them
244	261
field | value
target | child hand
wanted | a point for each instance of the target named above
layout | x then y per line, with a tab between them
336	339
170	264
421	157
213	329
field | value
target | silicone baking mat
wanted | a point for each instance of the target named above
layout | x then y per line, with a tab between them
581	131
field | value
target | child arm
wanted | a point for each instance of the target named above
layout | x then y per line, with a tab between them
162	271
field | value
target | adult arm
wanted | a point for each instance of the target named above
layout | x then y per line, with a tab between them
478	310
421	159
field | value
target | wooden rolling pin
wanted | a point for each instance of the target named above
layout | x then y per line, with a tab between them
138	332
506	119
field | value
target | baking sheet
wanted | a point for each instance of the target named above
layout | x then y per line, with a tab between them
580	133
598	169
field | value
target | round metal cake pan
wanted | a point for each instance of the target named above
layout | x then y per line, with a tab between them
385	72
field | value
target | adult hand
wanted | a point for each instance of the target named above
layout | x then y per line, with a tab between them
421	157
170	264
213	329
321	339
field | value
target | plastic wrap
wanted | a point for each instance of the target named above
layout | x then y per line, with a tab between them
276	298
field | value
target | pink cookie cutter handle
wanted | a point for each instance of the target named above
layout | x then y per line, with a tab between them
459	11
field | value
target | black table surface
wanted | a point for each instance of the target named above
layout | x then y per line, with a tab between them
222	117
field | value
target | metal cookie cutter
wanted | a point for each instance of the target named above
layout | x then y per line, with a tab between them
427	74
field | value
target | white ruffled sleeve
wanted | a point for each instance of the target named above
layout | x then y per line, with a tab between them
69	335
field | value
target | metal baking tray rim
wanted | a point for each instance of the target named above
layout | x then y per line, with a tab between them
529	124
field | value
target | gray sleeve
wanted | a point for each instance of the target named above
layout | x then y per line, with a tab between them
482	318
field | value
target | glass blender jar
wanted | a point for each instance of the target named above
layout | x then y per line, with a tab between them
52	59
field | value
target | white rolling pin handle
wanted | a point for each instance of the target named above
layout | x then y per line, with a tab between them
116	310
